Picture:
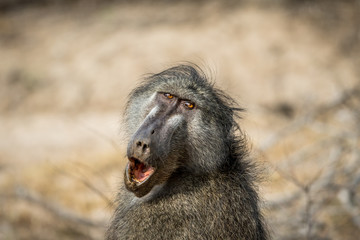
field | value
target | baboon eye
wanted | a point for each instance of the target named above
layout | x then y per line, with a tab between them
189	105
168	95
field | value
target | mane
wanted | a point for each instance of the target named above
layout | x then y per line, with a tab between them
237	140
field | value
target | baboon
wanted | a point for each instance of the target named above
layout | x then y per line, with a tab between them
188	174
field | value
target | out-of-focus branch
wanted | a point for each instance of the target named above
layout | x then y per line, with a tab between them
346	199
308	118
55	209
90	186
106	138
320	182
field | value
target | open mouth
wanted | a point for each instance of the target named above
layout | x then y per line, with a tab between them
138	171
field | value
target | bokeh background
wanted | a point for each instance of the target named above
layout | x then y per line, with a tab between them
66	68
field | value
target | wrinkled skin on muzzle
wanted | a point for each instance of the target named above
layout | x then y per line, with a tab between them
151	160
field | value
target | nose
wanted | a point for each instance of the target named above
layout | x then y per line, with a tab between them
141	146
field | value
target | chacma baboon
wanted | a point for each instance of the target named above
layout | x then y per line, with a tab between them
188	175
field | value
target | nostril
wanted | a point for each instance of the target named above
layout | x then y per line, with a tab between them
138	144
153	131
145	146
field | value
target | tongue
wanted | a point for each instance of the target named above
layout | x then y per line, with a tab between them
142	172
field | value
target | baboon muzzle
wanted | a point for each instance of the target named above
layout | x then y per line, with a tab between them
138	170
141	145
149	142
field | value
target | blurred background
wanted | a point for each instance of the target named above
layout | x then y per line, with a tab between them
66	68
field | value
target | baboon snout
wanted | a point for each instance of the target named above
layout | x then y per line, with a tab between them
141	147
155	133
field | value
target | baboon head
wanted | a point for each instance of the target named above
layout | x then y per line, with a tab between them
176	121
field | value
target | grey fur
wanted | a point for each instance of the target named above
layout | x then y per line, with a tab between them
203	187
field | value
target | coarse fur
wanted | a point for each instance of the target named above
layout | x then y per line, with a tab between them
203	185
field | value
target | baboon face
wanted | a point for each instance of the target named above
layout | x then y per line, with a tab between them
155	148
174	120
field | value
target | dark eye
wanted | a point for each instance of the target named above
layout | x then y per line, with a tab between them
168	95
189	105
